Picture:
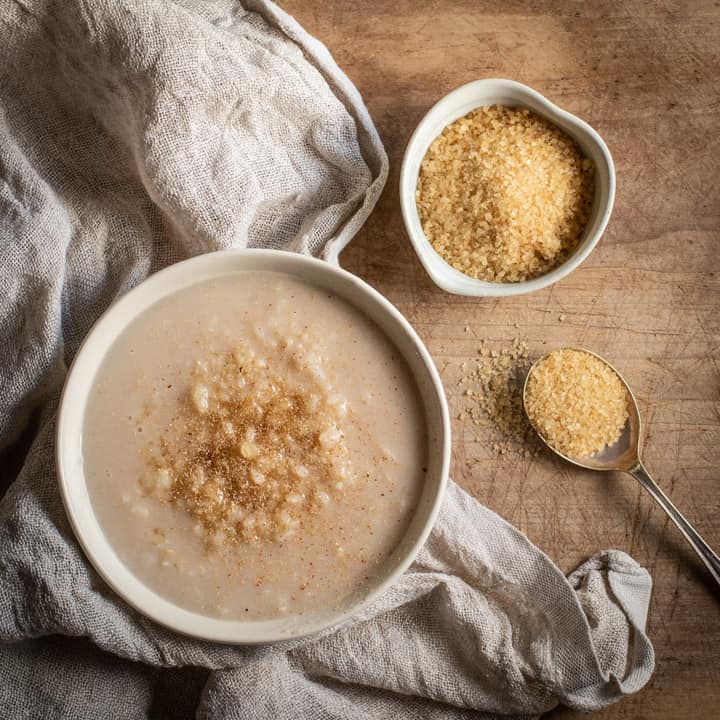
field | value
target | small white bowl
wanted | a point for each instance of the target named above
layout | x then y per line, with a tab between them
457	104
79	384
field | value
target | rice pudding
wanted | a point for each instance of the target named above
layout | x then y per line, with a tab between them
254	446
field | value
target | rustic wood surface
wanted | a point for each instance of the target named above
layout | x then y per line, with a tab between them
646	75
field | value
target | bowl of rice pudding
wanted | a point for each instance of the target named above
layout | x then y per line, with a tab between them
252	445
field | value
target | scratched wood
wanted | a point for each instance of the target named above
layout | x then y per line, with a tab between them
646	75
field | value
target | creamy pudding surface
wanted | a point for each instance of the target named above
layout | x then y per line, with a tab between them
254	447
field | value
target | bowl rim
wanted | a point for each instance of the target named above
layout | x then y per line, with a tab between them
71	480
440	271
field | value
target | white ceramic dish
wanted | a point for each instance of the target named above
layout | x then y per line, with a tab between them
79	385
502	92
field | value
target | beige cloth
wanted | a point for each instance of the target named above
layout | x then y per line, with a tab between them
134	134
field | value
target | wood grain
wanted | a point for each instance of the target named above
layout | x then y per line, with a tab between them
646	75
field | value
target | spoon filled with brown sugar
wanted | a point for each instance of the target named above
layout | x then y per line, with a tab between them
584	411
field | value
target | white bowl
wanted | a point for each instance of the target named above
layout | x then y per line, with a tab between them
79	385
502	92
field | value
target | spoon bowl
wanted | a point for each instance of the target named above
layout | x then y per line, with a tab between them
624	455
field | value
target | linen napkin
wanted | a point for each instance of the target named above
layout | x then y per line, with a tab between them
132	135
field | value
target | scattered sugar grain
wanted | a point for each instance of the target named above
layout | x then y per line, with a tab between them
493	400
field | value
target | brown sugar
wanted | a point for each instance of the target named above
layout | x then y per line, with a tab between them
492	397
250	453
504	195
577	402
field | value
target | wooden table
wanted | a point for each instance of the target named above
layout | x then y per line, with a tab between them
646	75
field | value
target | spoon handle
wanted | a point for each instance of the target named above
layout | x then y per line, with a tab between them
709	557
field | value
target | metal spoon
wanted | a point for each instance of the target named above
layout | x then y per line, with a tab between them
624	456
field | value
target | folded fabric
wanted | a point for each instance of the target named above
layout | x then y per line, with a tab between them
135	134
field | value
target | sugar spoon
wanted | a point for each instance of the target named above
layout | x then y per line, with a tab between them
625	456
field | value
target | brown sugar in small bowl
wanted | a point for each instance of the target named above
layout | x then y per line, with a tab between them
456	105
